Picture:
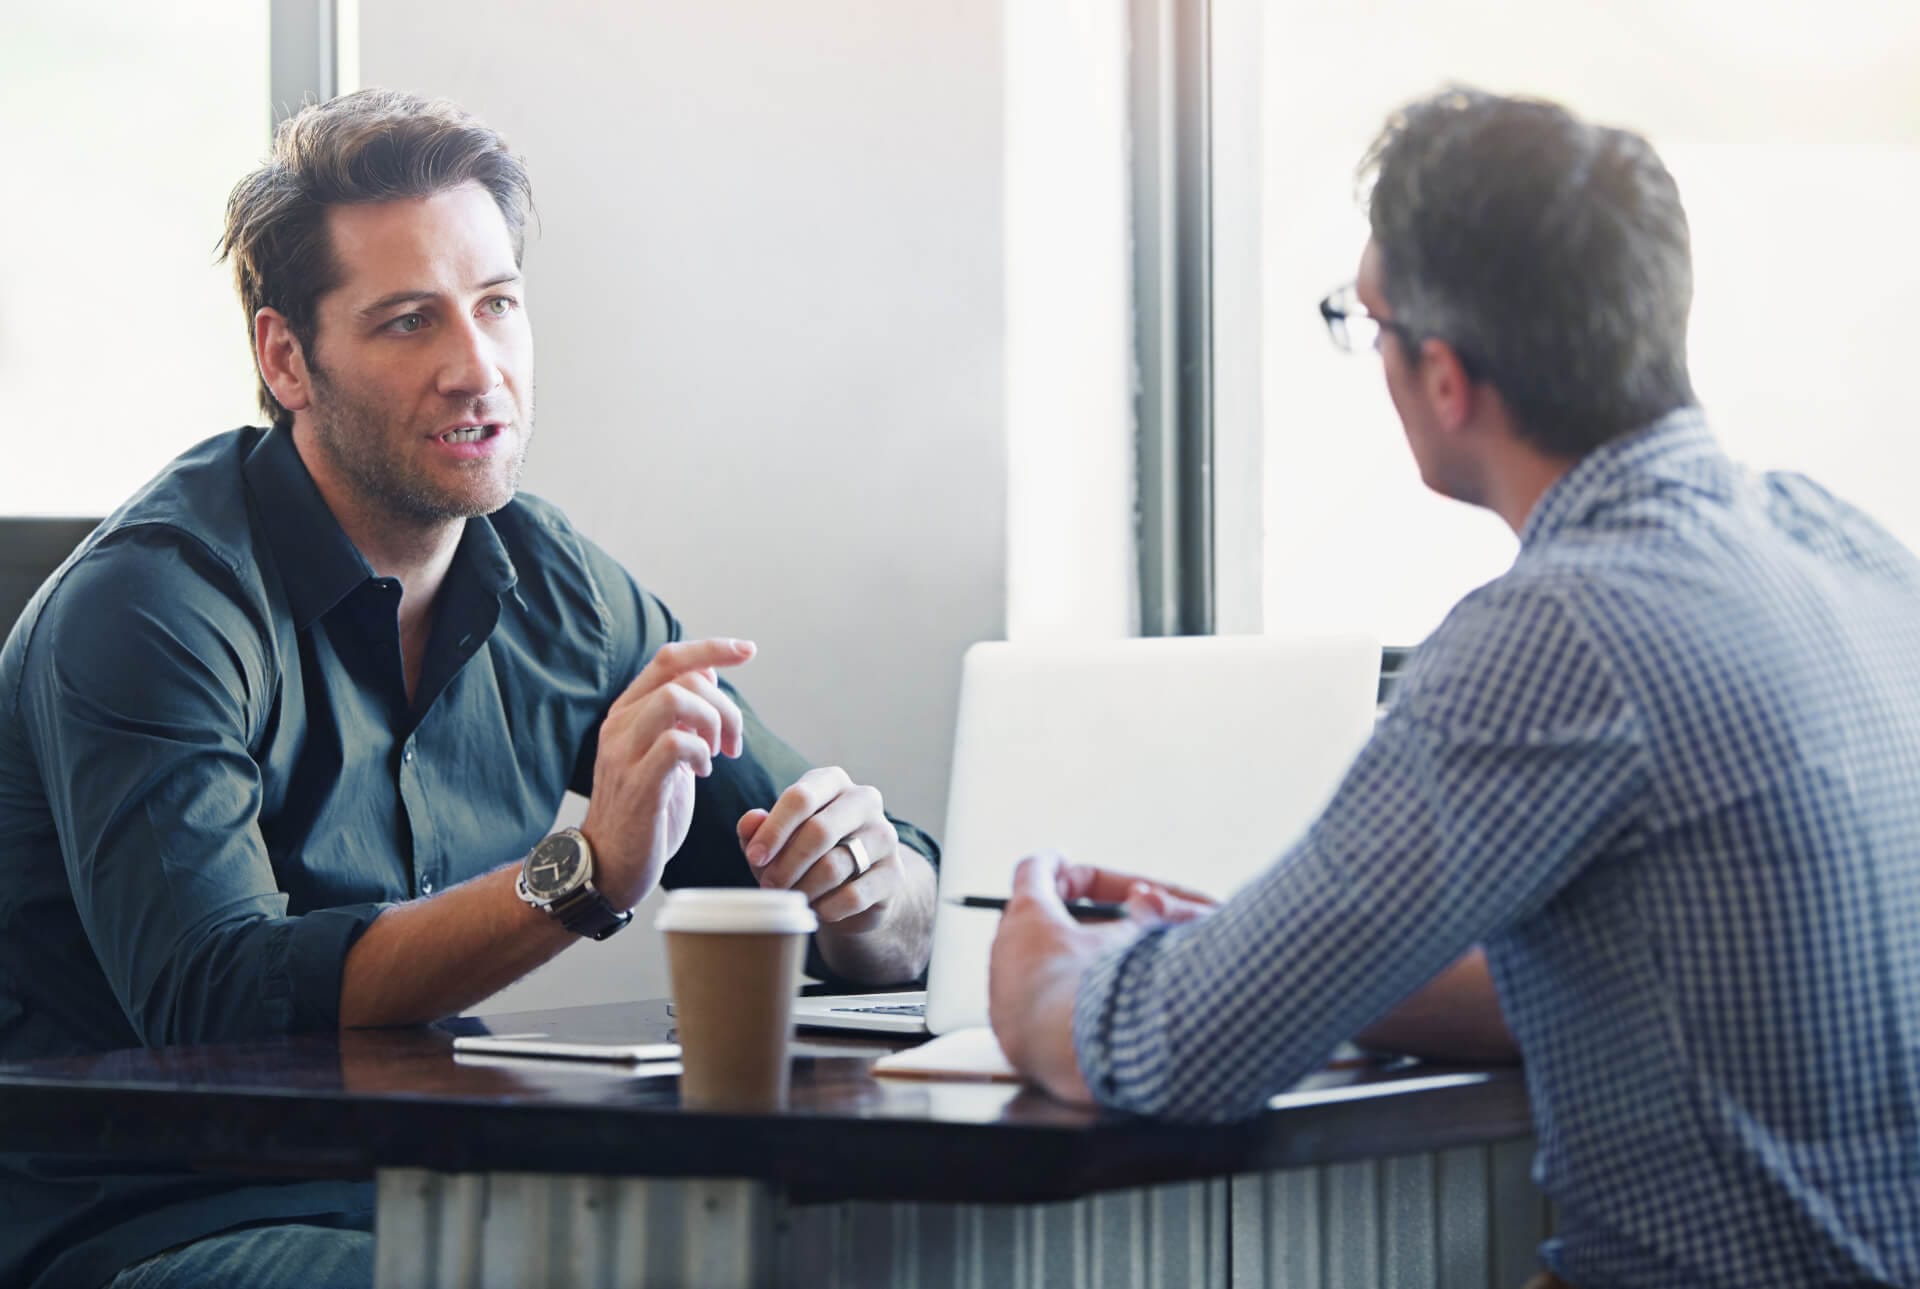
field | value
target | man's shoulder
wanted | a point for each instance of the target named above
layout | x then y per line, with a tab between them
545	545
179	549
1513	652
1507	604
547	550
196	506
560	570
198	499
535	525
562	575
1814	518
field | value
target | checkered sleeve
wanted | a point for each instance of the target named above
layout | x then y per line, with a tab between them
1510	759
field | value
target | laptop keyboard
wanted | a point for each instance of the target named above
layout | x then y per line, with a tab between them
897	1009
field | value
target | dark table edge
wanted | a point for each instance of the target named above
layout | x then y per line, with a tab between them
816	1157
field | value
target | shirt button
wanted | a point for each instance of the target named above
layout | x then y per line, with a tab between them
407	755
426	886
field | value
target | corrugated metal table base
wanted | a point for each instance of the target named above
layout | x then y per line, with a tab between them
1459	1219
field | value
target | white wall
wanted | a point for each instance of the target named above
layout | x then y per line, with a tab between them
767	300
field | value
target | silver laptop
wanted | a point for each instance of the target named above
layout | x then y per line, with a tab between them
1197	760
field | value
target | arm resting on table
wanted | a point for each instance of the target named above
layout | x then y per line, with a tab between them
1454	1017
426	959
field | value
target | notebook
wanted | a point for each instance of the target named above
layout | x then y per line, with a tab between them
975	1056
965	1054
1194	759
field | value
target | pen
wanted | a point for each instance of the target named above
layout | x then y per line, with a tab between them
1085	910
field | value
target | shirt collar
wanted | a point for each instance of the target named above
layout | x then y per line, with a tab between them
1596	478
485	557
319	564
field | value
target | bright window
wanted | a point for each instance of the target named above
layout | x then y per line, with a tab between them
121	341
1794	132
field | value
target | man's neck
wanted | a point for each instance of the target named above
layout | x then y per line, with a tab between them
417	556
415	553
1517	483
1511	474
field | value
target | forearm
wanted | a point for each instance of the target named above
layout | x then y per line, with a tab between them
895	948
1206	1020
1454	1017
427	959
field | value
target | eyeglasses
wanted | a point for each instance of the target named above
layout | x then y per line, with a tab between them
1353	329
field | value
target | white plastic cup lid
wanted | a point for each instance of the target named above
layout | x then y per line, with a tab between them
736	910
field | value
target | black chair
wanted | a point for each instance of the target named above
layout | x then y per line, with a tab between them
29	550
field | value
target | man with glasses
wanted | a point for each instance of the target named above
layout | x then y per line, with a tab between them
1664	770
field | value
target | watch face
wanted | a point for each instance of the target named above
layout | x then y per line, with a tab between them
556	866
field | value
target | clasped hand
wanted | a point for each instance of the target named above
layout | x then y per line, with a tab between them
663	733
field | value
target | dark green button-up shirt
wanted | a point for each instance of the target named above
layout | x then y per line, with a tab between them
212	780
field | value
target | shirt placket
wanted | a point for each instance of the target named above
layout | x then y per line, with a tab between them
420	779
416	802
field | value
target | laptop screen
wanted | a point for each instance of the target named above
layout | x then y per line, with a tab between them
1194	759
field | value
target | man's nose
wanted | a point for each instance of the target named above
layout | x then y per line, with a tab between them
468	366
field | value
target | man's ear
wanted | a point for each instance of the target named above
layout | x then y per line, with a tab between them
283	363
1444	379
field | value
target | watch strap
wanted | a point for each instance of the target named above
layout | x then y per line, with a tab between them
586	912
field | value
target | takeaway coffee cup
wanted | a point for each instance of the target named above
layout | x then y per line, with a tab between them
734	958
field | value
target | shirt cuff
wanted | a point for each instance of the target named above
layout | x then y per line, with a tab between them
1122	1050
316	958
915	839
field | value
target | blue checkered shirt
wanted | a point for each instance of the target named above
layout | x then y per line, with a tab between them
1667	770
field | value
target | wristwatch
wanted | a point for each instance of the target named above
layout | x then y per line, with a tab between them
557	878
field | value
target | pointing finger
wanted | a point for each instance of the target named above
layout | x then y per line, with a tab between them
675	659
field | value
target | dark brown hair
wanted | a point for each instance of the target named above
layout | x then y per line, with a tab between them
373	145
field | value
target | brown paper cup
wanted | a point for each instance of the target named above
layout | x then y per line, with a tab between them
734	958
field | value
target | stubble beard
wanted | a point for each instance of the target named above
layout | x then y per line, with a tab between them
360	443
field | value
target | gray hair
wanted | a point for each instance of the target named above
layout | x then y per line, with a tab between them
1551	254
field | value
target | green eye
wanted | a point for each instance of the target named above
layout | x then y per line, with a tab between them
500	306
407	323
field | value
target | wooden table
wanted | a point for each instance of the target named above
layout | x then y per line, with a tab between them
519	1172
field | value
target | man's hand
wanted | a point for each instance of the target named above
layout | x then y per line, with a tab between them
1040	954
659	735
875	926
799	845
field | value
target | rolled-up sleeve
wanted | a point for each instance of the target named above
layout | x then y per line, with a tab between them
148	680
1510	761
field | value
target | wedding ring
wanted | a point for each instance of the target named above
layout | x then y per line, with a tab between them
858	850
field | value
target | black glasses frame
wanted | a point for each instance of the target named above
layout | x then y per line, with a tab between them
1341	307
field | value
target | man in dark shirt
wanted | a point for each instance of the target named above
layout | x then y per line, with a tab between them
274	742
